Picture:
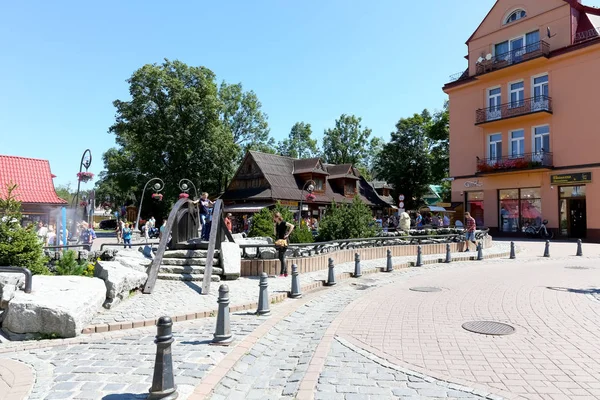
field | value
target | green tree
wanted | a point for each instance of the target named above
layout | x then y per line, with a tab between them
405	161
299	143
346	143
19	247
439	146
121	180
262	225
64	192
172	127
343	221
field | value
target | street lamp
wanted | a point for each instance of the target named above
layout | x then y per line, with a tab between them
309	186
86	161
184	187
157	187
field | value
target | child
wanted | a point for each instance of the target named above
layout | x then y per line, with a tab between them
127	235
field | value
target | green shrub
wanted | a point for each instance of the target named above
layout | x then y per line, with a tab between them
19	247
262	222
302	234
68	265
344	221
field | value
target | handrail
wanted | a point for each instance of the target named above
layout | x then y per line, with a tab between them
122	244
20	270
514	56
66	246
513	109
523	161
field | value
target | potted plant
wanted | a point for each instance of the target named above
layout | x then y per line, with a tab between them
85	176
158	196
310	197
183	195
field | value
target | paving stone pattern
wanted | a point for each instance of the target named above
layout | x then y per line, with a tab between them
349	375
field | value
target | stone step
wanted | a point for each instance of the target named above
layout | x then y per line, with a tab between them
187	253
187	261
187	269
187	277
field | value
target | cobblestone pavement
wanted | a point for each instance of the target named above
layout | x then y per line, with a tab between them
174	297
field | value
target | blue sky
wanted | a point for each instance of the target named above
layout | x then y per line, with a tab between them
64	62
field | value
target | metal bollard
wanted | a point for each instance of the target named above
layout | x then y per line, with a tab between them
579	249
331	276
263	295
479	251
357	272
512	251
547	249
419	257
295	293
163	382
448	254
389	265
223	334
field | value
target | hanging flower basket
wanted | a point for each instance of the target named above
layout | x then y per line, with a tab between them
310	197
83	203
158	196
183	195
106	205
85	176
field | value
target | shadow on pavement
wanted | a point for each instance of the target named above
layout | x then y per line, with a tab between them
196	342
578	291
125	396
192	285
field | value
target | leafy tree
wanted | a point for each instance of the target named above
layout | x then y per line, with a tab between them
367	167
19	246
439	147
346	143
172	127
405	161
120	181
299	143
345	221
64	192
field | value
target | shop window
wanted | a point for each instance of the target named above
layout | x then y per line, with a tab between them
573	213
475	206
519	208
509	210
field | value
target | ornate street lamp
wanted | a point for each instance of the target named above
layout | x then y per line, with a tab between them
86	161
309	186
184	186
157	187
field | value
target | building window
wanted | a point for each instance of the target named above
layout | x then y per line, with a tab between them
475	206
494	104
515	16
495	147
517	94
517	143
350	187
513	50
318	184
519	208
540	93
541	140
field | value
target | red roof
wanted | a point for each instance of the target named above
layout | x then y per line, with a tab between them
32	177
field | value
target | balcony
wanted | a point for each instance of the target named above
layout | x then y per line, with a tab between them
515	56
514	163
514	109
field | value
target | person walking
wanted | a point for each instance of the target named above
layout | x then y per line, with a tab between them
42	232
127	232
228	224
283	230
119	232
419	220
471	226
205	204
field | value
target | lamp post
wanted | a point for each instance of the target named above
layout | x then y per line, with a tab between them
309	186
184	187
86	161
157	187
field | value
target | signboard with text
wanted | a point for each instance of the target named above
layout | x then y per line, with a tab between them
579	177
288	203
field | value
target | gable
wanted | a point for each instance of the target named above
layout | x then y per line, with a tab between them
496	17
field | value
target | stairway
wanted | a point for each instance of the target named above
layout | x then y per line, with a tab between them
188	265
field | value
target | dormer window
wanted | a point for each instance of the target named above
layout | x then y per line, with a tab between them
515	16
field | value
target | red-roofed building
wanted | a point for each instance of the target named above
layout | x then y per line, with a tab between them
35	188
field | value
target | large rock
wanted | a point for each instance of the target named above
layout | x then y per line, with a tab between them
268	253
119	280
133	259
60	305
9	284
231	260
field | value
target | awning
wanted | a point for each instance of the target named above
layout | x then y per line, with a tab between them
249	208
436	209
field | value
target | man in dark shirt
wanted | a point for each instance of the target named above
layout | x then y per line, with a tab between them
283	230
470	226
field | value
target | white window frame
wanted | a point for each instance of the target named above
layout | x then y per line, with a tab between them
488	145
497	113
539	104
538	155
511	140
510	92
508	14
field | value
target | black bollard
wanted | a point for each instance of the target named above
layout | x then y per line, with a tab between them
479	251
263	295
223	334
331	276
579	249
419	257
512	251
547	249
448	254
357	272
163	382
389	265
295	293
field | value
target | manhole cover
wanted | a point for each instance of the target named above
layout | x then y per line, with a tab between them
578	267
426	289
488	328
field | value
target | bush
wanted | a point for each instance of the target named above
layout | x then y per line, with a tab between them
344	221
69	265
302	234
19	247
262	222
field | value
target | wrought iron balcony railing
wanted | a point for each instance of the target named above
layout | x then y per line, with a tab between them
593	33
517	162
514	109
515	56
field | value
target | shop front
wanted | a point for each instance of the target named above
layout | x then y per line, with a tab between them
572	205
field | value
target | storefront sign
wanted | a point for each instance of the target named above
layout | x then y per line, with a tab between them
288	203
470	184
580	177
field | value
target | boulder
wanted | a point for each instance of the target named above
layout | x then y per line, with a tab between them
119	280
9	284
268	253
231	260
133	260
60	305
8	292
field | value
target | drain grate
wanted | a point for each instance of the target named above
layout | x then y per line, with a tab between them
578	267
426	289
488	328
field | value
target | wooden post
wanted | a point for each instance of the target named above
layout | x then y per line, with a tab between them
212	242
